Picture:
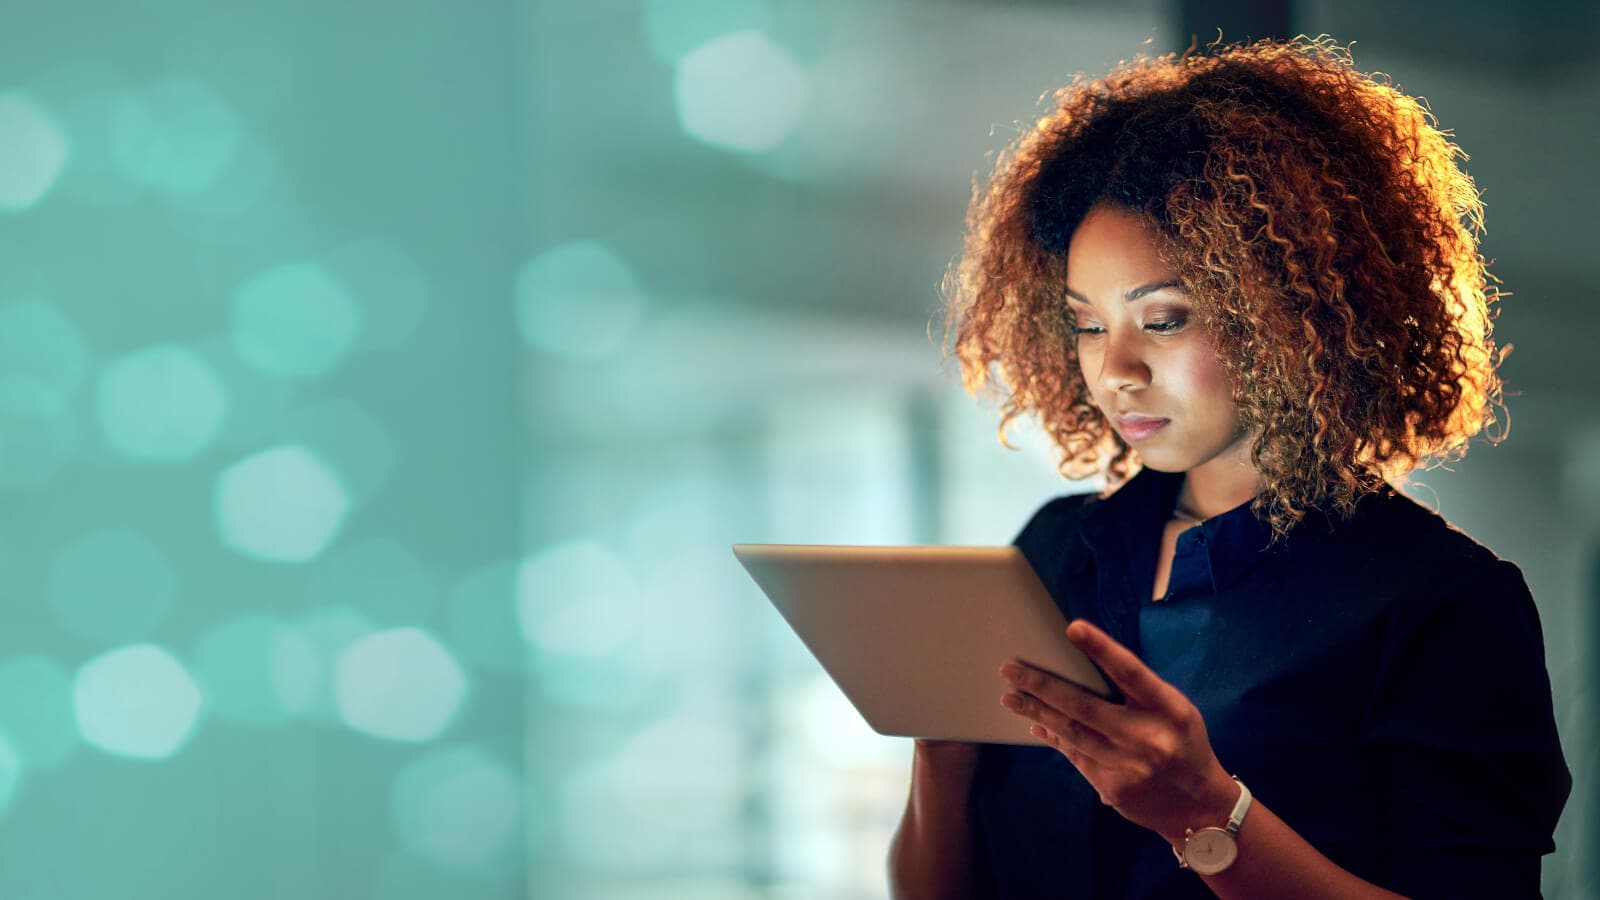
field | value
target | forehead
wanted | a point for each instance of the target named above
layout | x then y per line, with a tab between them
1113	249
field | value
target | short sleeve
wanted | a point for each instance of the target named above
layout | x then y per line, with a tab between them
1462	732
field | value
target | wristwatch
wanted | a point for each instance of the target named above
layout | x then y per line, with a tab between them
1210	850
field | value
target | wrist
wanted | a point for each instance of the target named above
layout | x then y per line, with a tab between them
1212	805
1211	849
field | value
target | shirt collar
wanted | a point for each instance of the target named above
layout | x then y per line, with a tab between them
1125	528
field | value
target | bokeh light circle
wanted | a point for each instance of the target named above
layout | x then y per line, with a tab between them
37	340
658	799
137	702
577	599
281	505
10	773
740	92
255	670
400	684
38	435
578	301
31	156
458	806
177	136
326	632
36	710
161	403
112	586
294	320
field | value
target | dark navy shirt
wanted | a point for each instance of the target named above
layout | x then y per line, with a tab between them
1377	681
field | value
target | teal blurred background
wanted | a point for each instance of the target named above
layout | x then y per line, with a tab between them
381	386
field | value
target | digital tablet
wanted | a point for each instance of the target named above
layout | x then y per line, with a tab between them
915	636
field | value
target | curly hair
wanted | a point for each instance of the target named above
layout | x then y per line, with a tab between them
1317	218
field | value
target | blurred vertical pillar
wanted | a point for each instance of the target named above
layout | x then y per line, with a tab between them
926	467
1588	873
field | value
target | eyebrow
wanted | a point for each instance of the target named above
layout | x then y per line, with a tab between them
1132	295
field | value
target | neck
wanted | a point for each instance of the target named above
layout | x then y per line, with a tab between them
1218	486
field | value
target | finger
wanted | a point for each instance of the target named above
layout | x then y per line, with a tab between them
1137	682
1077	757
1076	702
1080	736
1091	770
1094	744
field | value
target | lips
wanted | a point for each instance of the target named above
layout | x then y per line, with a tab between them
1134	426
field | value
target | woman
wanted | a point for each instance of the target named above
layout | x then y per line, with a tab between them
1252	278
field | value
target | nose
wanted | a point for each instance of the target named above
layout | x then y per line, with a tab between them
1123	366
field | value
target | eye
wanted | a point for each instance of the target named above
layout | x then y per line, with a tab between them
1087	330
1167	323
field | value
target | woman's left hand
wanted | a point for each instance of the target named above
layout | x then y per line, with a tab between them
1150	759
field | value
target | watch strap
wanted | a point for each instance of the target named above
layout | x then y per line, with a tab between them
1240	807
1235	819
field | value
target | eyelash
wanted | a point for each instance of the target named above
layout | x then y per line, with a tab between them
1170	326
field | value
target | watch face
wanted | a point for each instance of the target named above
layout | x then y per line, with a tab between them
1210	850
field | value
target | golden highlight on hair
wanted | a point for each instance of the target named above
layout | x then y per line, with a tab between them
1321	225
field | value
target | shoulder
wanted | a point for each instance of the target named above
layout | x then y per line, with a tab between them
1411	574
1460	708
1439	587
1403	540
1056	518
1052	538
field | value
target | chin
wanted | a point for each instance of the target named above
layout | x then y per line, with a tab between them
1164	461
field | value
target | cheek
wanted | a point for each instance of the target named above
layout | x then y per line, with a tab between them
1203	376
